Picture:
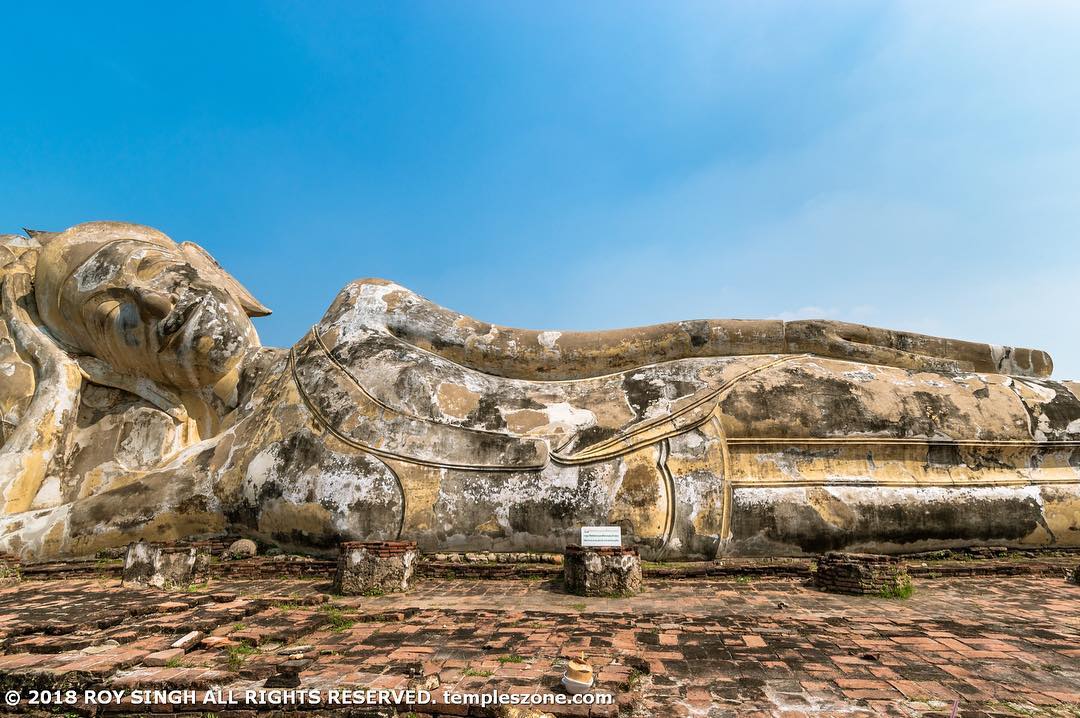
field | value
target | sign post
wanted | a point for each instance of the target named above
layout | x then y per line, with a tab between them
601	536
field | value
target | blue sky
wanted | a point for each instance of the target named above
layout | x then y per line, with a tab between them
576	165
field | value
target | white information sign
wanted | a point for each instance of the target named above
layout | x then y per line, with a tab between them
601	535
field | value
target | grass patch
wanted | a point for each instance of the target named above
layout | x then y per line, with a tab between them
744	579
337	618
1011	707
288	606
374	592
618	594
239	654
238	626
901	589
511	659
474	672
174	662
579	606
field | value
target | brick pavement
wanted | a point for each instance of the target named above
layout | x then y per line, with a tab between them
1002	646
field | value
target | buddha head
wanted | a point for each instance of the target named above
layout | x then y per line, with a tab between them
144	304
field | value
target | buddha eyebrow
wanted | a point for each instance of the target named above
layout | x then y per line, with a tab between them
91	257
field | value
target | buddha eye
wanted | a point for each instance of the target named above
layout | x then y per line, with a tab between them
106	307
150	266
101	312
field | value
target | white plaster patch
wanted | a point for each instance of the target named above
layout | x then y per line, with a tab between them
548	339
878	496
49	494
259	470
786	463
692	439
1045	393
963	379
23	533
557	475
366	307
342	489
753	497
563	413
1042	430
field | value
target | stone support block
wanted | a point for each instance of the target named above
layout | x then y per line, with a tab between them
607	571
368	568
861	574
166	565
10	569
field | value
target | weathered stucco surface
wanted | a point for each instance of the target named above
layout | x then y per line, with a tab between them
137	403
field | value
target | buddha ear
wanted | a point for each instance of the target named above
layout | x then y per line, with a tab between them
201	260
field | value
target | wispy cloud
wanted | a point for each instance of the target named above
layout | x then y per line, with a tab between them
860	314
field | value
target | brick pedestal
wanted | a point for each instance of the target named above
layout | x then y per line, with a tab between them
607	571
9	569
166	565
860	573
374	567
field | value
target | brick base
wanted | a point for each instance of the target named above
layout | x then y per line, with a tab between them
602	571
860	573
9	569
374	567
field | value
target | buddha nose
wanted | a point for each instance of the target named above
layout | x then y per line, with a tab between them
154	305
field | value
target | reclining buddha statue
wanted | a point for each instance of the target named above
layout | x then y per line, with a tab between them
137	403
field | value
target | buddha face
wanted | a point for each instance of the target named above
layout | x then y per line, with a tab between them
149	307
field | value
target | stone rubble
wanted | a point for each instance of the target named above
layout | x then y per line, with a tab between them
241	549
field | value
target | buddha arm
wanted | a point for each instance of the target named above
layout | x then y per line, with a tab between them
41	435
908	350
532	354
